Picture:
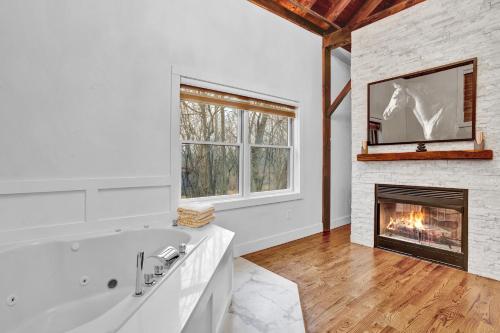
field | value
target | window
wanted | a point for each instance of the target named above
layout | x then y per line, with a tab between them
210	149
234	145
269	151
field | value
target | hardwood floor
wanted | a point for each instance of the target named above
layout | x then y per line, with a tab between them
346	287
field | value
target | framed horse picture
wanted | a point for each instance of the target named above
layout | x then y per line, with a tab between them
434	105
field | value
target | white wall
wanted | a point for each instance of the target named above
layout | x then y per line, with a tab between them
433	33
85	108
341	142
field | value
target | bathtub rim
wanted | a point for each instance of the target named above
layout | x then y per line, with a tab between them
74	236
80	229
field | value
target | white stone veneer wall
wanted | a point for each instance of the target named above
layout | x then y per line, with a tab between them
430	34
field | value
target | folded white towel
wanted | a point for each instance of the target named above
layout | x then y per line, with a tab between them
195	207
195	215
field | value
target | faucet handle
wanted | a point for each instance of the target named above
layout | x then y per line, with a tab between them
159	270
182	248
149	279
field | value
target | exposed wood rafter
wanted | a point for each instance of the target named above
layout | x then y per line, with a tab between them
387	12
314	14
279	10
339	99
339	38
368	7
336	9
308	3
342	37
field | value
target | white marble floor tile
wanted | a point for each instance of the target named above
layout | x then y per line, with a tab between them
263	302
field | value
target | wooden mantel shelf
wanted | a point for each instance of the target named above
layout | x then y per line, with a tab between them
429	155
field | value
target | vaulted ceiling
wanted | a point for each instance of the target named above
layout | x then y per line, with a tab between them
325	17
334	20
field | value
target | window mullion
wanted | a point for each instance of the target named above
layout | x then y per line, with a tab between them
241	172
214	143
246	155
269	146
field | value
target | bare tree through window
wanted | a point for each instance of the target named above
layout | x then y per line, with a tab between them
209	166
214	139
270	154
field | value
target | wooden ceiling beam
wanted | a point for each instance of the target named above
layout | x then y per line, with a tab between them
308	3
279	10
341	38
311	12
335	10
387	12
368	7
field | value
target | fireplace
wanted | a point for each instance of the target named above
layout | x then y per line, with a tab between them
425	222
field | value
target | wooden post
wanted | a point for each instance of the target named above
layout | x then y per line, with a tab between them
326	77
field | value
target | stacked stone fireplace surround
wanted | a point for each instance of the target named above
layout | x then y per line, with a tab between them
430	34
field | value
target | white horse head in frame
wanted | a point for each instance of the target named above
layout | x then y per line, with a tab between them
435	112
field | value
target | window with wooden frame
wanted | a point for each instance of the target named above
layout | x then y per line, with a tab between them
234	145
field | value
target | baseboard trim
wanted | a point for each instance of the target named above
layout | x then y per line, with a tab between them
277	239
340	221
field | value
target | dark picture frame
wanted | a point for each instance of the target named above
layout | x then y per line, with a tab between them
472	61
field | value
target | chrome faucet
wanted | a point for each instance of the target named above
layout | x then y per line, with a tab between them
167	256
139	290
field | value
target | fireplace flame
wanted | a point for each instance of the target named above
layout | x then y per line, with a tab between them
412	220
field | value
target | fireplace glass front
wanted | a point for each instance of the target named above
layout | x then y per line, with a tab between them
436	227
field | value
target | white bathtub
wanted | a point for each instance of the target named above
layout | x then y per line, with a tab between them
62	285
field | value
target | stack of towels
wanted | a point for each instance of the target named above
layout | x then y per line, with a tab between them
195	214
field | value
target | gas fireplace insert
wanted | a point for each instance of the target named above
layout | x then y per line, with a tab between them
425	222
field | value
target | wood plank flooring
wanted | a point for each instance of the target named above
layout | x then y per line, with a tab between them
346	287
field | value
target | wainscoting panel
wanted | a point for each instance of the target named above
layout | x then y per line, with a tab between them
133	201
30	204
28	210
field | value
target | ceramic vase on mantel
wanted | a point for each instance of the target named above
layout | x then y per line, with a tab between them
479	142
364	147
